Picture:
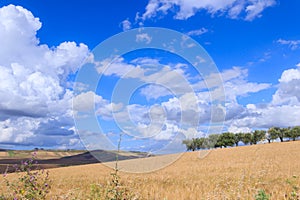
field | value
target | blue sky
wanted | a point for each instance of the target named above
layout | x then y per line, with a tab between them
255	45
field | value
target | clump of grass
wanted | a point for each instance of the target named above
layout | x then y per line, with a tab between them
262	195
32	183
294	193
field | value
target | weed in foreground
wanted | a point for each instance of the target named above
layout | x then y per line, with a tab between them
32	183
294	193
114	189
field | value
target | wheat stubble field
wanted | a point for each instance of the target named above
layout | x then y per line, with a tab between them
232	173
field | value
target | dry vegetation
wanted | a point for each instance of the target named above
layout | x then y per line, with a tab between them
233	173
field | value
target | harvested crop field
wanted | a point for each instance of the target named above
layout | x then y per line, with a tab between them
232	173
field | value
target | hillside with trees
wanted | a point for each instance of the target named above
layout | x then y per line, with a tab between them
228	139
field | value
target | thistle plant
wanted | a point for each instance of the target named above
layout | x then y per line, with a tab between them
32	183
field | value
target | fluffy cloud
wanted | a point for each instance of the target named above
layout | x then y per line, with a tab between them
288	91
11	133
89	102
268	116
168	132
86	101
149	71
249	9
35	102
184	111
282	111
255	8
235	129
235	84
187	107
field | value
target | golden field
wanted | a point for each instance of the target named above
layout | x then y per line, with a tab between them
232	173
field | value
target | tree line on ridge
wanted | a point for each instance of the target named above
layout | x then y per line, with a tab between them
228	139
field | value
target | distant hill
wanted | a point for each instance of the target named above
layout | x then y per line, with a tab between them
96	156
51	159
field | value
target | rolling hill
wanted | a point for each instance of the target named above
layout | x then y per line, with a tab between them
53	159
231	173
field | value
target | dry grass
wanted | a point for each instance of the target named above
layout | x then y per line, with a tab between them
233	173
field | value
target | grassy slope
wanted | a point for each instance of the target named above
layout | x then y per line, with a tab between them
234	173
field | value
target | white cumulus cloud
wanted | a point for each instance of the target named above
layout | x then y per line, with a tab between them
35	101
283	110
